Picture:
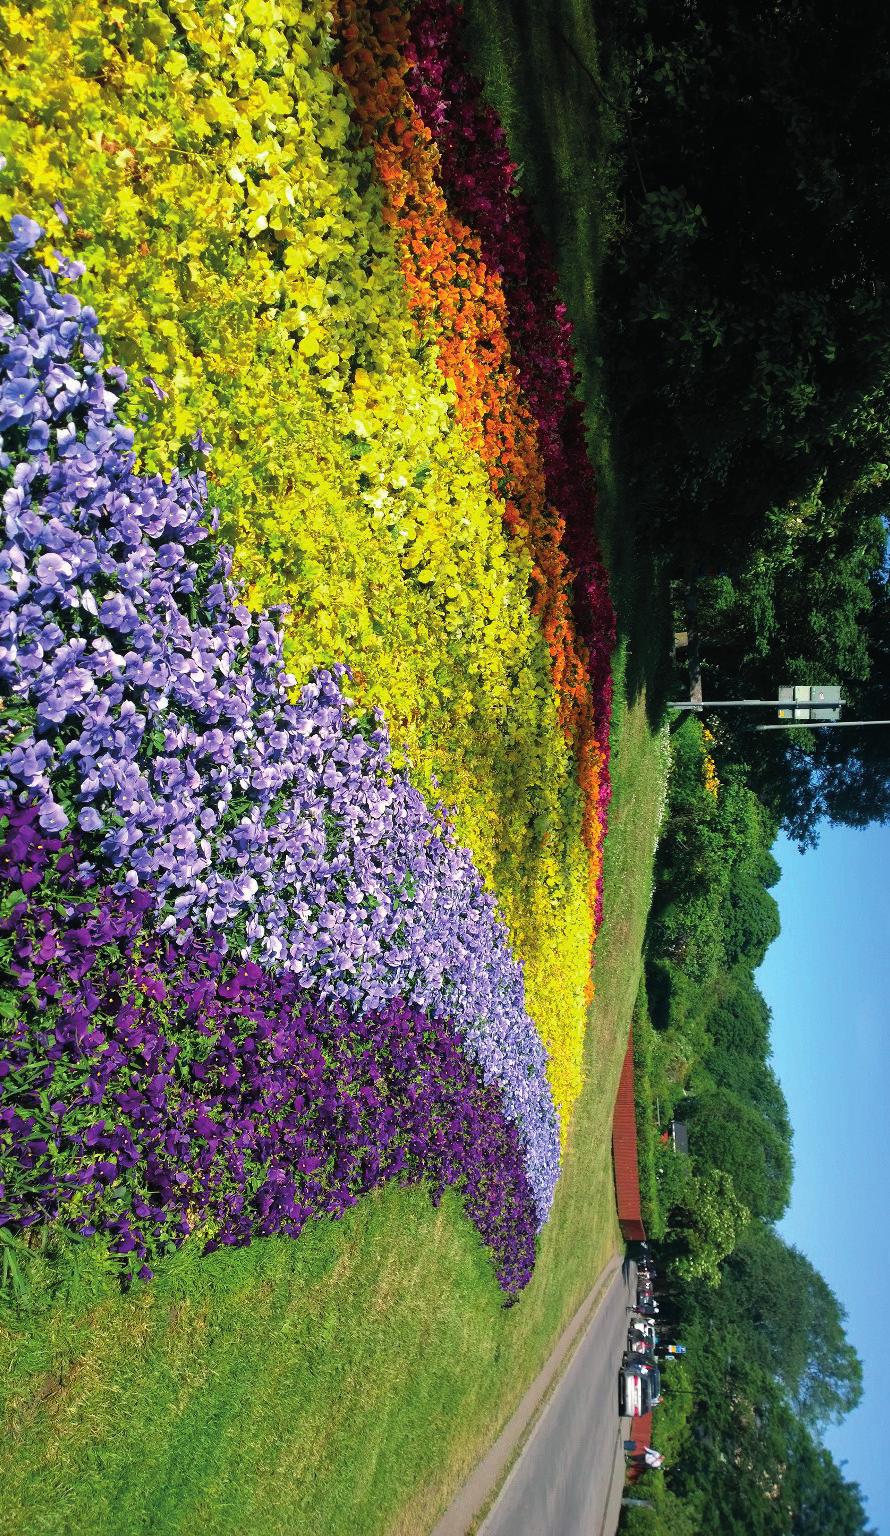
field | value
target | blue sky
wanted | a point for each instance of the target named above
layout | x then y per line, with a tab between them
827	980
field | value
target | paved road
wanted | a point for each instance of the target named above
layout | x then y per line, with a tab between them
569	1478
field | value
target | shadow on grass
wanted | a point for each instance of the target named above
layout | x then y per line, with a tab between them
560	96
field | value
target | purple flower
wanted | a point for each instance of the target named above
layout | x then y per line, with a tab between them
293	1111
25	235
280	827
52	817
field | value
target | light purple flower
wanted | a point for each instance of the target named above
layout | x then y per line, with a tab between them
257	815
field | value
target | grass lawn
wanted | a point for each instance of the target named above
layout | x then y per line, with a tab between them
347	1383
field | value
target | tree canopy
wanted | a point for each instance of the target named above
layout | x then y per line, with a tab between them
748	320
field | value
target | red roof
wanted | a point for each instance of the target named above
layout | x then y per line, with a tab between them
624	1153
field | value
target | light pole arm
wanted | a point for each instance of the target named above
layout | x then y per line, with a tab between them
791	704
817	725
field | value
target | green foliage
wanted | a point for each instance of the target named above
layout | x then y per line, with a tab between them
712	919
749	350
750	920
675	1412
818	1495
749	358
690	935
755	1084
785	1478
751	302
712	1219
727	1132
669	1516
712	909
661	1068
796	1325
768	1363
737	1016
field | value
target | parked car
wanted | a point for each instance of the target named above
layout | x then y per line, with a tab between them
641	1337
639	1389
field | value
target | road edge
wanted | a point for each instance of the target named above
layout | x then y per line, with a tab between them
473	1501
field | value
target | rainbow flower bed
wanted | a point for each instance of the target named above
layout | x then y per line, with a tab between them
304	755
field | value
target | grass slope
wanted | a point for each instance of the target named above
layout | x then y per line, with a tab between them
348	1382
343	1383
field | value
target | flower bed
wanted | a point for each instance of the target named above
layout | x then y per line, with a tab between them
294	249
146	703
478	176
235	242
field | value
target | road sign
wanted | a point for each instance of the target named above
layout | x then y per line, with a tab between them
809	701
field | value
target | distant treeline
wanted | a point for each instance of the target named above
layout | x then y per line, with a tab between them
768	1362
746	339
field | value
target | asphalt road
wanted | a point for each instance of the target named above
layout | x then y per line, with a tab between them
569	1478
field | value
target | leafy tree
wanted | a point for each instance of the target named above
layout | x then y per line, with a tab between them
727	1133
793	1324
668	1516
711	1221
738	1019
753	1081
751	286
750	919
749	351
690	935
748	1449
797	610
818	1497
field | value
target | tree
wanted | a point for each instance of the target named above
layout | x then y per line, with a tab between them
794	1325
727	1133
816	610
754	1081
750	294
750	919
818	1497
737	1016
711	1221
748	1450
